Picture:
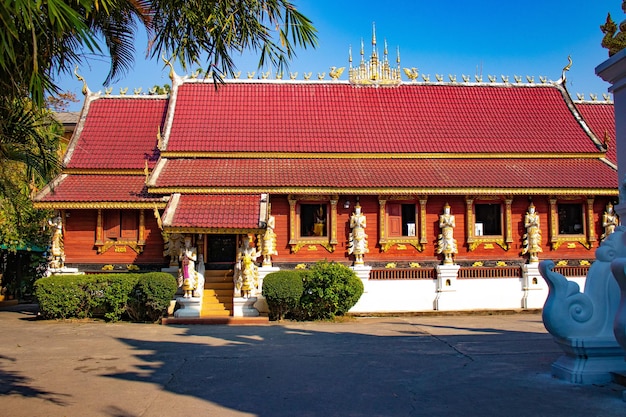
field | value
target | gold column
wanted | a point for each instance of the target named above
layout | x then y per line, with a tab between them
591	234
333	219
142	228
469	222
554	223
382	202
99	231
422	220
508	238
292	221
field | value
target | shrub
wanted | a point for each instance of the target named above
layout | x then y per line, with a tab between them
151	296
282	290
330	289
106	295
61	297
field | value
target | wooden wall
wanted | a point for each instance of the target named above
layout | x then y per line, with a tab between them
80	236
434	207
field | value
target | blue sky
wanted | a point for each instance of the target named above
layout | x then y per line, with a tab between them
455	37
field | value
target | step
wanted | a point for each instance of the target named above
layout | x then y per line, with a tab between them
217	292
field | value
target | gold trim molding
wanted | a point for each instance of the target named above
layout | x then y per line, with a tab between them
504	240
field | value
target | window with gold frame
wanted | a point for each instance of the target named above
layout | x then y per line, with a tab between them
569	222
488	221
402	221
120	228
312	222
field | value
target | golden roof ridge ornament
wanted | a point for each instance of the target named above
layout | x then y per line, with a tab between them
85	89
375	72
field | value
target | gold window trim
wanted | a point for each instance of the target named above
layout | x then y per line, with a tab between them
587	238
420	241
138	245
297	242
505	239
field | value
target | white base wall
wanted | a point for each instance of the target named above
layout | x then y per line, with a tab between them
397	296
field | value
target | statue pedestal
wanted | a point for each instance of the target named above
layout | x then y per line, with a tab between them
446	287
244	307
532	286
189	307
63	271
363	273
263	271
588	360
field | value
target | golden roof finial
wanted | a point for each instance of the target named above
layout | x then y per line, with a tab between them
85	89
375	72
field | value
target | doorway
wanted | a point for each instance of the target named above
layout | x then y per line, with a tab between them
221	251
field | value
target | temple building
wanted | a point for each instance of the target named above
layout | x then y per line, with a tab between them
442	194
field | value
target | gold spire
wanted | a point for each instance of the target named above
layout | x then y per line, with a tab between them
375	72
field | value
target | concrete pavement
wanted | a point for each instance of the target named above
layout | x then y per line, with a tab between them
403	366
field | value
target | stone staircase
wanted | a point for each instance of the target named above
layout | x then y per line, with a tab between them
217	300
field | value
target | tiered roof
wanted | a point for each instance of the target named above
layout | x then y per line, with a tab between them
224	147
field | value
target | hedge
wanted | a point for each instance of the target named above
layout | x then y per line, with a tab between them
107	295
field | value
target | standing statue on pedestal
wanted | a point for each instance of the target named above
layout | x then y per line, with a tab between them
610	221
173	245
57	250
447	242
188	256
532	237
246	274
357	245
269	242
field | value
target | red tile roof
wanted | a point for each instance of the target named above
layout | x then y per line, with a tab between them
118	133
600	116
98	188
270	174
337	117
214	211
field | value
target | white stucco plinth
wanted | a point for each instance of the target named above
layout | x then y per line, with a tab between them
446	298
263	271
363	273
189	307
533	295
244	307
63	271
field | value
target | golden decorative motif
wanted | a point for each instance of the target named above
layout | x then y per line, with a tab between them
377	191
375	72
120	246
378	155
296	247
389	243
98	205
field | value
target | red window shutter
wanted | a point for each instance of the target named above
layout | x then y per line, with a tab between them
130	229
394	219
112	224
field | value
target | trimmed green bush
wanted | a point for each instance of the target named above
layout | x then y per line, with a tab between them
330	289
151	296
105	295
282	291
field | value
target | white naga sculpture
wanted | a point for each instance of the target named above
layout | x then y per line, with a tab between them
447	242
357	245
582	322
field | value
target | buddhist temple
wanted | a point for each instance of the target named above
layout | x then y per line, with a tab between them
465	184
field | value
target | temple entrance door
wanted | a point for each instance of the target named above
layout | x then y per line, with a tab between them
221	251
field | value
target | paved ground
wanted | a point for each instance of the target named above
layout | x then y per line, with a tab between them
409	366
